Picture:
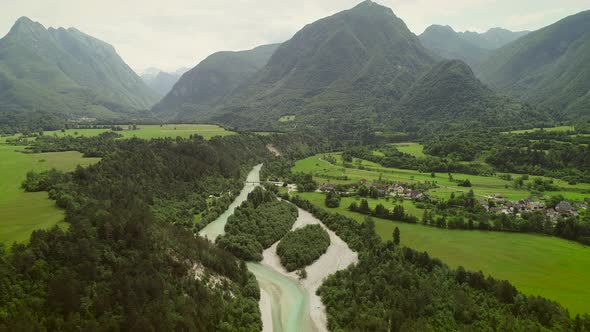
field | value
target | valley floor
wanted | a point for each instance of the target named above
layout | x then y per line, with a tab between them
537	265
338	257
23	212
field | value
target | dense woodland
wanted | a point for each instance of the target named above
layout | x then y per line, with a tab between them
120	268
301	247
258	223
563	155
399	289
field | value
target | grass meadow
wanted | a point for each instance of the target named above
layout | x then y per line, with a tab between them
21	212
537	265
153	131
551	129
325	172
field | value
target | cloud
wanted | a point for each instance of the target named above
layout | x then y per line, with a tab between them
176	33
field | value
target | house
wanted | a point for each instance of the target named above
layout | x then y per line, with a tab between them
564	207
498	196
536	206
551	213
328	187
398	190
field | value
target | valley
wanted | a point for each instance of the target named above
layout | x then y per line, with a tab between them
365	171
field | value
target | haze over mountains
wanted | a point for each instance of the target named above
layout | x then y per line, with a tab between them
470	47
212	80
160	81
66	71
362	64
547	67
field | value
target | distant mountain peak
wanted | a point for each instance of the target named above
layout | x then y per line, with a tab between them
369	5
26	25
439	28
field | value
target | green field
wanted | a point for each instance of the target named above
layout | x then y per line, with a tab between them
152	131
414	149
535	264
21	212
524	131
323	172
287	118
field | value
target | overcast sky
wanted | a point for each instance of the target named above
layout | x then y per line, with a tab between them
170	34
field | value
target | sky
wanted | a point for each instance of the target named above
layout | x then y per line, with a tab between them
170	34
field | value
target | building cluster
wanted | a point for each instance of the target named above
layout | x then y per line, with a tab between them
398	189
562	209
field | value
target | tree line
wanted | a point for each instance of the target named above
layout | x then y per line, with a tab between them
399	289
118	266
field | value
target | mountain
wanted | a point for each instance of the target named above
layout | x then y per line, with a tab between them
160	81
548	66
445	42
355	63
450	92
212	80
493	38
66	72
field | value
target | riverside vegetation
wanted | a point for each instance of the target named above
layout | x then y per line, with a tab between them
399	289
261	221
303	246
86	277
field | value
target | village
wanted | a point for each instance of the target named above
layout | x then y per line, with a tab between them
496	203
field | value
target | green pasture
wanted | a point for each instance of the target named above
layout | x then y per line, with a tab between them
325	172
537	265
287	118
551	129
414	149
21	212
151	131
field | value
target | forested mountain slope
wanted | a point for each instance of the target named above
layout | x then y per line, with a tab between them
211	81
445	42
493	38
548	66
450	92
66	72
355	62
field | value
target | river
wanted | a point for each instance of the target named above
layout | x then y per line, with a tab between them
285	301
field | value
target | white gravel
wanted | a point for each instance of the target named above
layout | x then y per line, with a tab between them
338	257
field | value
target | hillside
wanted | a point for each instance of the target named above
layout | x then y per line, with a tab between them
354	63
211	81
445	42
548	66
493	38
66	72
450	92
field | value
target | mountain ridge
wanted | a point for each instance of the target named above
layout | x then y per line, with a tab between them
65	71
547	67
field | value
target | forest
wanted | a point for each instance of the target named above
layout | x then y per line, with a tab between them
118	267
301	247
398	289
258	223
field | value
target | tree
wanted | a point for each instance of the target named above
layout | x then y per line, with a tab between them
396	236
332	199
